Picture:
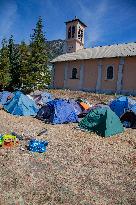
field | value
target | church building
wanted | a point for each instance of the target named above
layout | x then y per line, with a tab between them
102	69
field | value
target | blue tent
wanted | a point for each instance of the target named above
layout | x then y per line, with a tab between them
46	97
133	109
21	105
76	106
4	97
42	98
58	111
121	104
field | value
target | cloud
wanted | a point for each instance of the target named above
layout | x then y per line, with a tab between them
94	15
108	21
8	15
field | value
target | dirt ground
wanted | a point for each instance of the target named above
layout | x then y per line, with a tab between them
79	168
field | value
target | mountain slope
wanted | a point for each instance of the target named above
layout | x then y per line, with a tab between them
55	48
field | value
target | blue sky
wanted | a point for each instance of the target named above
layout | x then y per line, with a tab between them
108	21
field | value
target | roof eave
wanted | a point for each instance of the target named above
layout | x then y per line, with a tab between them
76	20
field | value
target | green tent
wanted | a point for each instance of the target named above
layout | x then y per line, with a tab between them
103	121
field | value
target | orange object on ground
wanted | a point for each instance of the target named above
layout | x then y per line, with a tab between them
9	141
84	105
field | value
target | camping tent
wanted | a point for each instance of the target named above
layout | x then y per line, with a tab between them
129	118
21	105
42	98
58	111
76	106
102	120
45	113
5	96
121	104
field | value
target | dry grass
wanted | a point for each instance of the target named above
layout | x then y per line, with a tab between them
79	168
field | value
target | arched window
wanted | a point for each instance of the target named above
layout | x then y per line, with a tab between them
110	72
73	31
74	73
69	32
80	34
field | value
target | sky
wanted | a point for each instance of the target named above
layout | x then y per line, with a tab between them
108	21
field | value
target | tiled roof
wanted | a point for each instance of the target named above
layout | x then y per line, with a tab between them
117	50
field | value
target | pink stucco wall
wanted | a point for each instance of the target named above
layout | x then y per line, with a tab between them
109	84
73	83
90	74
59	75
129	74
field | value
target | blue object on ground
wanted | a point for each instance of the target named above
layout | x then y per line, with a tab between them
21	105
37	145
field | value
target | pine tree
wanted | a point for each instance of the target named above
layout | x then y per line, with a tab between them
14	57
4	65
39	58
25	68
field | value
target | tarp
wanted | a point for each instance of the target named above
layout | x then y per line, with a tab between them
121	104
58	111
5	96
84	104
103	121
21	105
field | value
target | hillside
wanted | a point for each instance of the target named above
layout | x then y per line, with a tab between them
55	48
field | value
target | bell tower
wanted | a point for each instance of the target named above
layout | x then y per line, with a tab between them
74	35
